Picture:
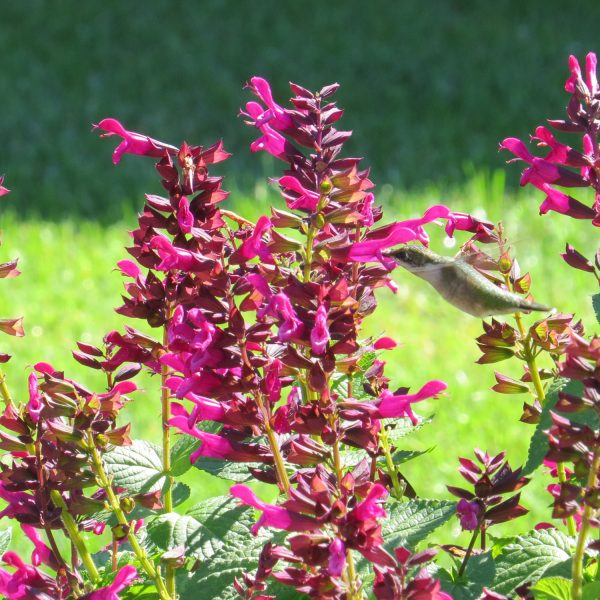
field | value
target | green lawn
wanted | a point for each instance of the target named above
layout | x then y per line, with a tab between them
68	289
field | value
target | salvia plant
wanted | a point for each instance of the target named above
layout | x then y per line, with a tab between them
265	377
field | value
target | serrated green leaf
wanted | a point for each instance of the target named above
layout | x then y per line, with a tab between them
596	305
546	551
403	427
180	454
234	549
172	529
181	492
552	588
5	539
226	469
403	456
410	522
479	574
137	468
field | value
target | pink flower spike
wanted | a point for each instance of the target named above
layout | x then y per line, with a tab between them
277	517
34	406
370	508
337	558
3	190
306	199
133	143
319	336
394	406
385	343
125	577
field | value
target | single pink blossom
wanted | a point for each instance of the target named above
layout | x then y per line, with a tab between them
275	115
277	517
41	553
254	245
337	558
395	406
319	336
560	202
468	514
185	218
280	307
385	343
305	199
370	507
125	577
133	143
34	406
3	190
575	76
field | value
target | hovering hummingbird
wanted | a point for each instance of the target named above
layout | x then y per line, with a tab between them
460	283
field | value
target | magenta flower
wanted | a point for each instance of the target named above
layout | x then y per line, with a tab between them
385	343
173	257
275	115
377	240
302	198
279	306
125	577
41	553
34	406
468	514
563	203
392	406
26	582
185	219
254	245
337	558
133	143
319	336
277	517
370	507
217	446
3	190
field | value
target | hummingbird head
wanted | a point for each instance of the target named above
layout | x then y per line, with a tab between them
413	257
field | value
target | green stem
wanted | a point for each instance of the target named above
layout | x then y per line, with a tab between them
309	242
4	391
384	442
463	566
588	512
166	447
74	535
115	507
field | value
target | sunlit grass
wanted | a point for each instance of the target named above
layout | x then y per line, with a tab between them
68	289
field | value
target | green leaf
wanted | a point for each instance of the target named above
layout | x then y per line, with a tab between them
403	427
552	588
181	492
478	574
180	454
591	591
5	539
226	469
403	456
172	529
547	551
225	546
137	468
596	305
410	522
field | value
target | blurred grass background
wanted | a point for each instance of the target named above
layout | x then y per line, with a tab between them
429	90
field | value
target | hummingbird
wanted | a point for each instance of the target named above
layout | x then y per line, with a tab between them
460	284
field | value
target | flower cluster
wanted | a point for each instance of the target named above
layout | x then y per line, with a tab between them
261	325
563	165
